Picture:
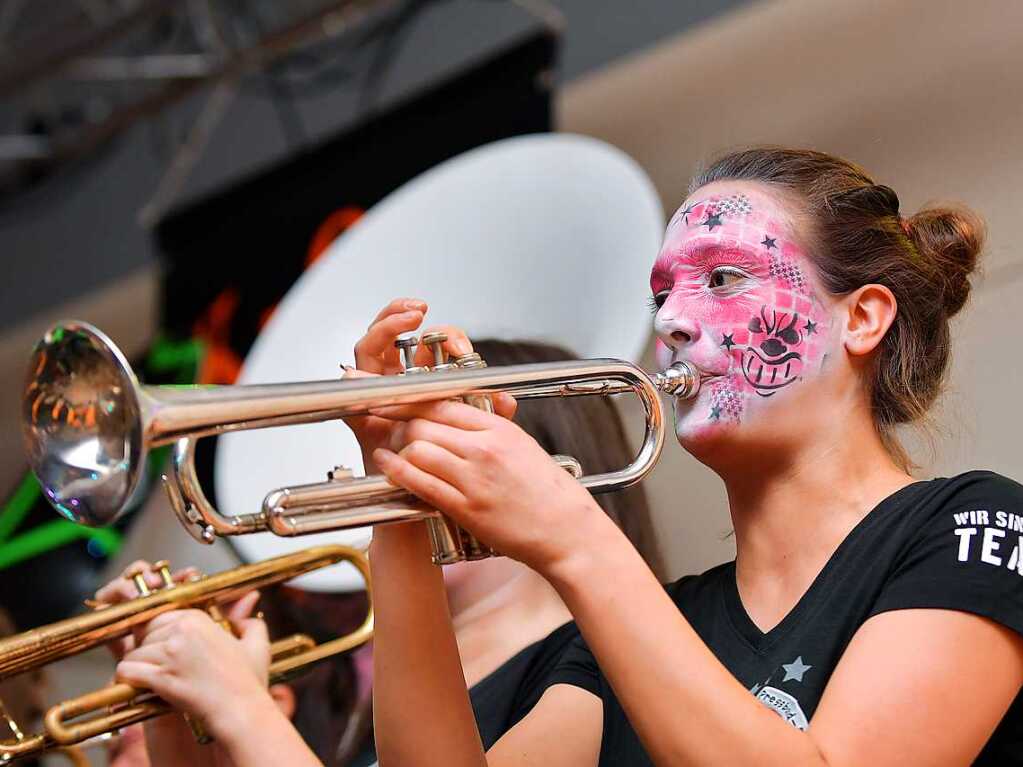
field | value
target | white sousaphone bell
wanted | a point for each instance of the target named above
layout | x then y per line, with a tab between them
544	238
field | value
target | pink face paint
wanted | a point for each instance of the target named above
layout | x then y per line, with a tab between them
735	297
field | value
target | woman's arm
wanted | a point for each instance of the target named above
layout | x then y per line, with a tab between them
564	728
684	704
167	739
956	675
421	710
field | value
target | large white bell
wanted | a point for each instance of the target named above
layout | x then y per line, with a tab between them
545	237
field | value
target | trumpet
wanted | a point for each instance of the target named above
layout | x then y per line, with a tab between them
88	424
120	705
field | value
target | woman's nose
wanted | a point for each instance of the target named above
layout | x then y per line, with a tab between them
675	330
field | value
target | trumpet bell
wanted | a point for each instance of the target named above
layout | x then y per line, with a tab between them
81	422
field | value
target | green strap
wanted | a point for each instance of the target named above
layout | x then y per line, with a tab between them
180	358
53	535
45	537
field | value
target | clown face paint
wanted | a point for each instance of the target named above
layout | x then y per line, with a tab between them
772	350
733	295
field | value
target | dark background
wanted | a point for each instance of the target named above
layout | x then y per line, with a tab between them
79	230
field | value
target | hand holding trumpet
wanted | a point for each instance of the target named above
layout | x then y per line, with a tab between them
216	676
173	654
377	354
477	467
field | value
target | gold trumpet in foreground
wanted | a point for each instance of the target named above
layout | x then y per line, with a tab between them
88	423
120	705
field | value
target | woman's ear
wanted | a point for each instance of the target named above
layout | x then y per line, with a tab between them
869	312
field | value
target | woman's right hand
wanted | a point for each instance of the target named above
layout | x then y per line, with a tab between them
376	354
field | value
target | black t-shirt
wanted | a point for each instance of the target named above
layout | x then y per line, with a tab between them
952	543
504	697
508	693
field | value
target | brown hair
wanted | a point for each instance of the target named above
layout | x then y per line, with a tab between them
858	237
587	428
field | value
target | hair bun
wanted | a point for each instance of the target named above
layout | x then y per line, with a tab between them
949	240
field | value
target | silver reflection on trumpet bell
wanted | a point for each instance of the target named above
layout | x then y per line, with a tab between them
88	424
80	421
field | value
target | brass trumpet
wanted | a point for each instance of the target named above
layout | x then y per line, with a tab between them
120	705
88	423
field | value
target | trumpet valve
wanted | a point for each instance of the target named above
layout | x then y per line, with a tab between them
407	346
339	473
436	341
470	361
138	576
163	568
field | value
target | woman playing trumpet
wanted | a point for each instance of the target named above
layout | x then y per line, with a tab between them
861	602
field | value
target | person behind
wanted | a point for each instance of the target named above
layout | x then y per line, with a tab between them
511	627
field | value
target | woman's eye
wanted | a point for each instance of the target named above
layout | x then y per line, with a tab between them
726	277
657	300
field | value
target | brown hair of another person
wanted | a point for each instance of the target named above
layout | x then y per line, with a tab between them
332	718
590	430
857	236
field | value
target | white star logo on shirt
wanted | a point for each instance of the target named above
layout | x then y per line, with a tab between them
795	669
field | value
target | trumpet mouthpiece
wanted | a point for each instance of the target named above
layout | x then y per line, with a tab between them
680	379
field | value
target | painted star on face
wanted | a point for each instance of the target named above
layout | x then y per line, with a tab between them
712	221
810	326
768	242
795	669
684	213
715	413
728	343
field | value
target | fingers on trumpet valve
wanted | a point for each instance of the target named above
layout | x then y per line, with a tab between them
141	578
138	579
438	342
375	351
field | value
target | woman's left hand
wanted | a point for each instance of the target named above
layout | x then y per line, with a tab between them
492	478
